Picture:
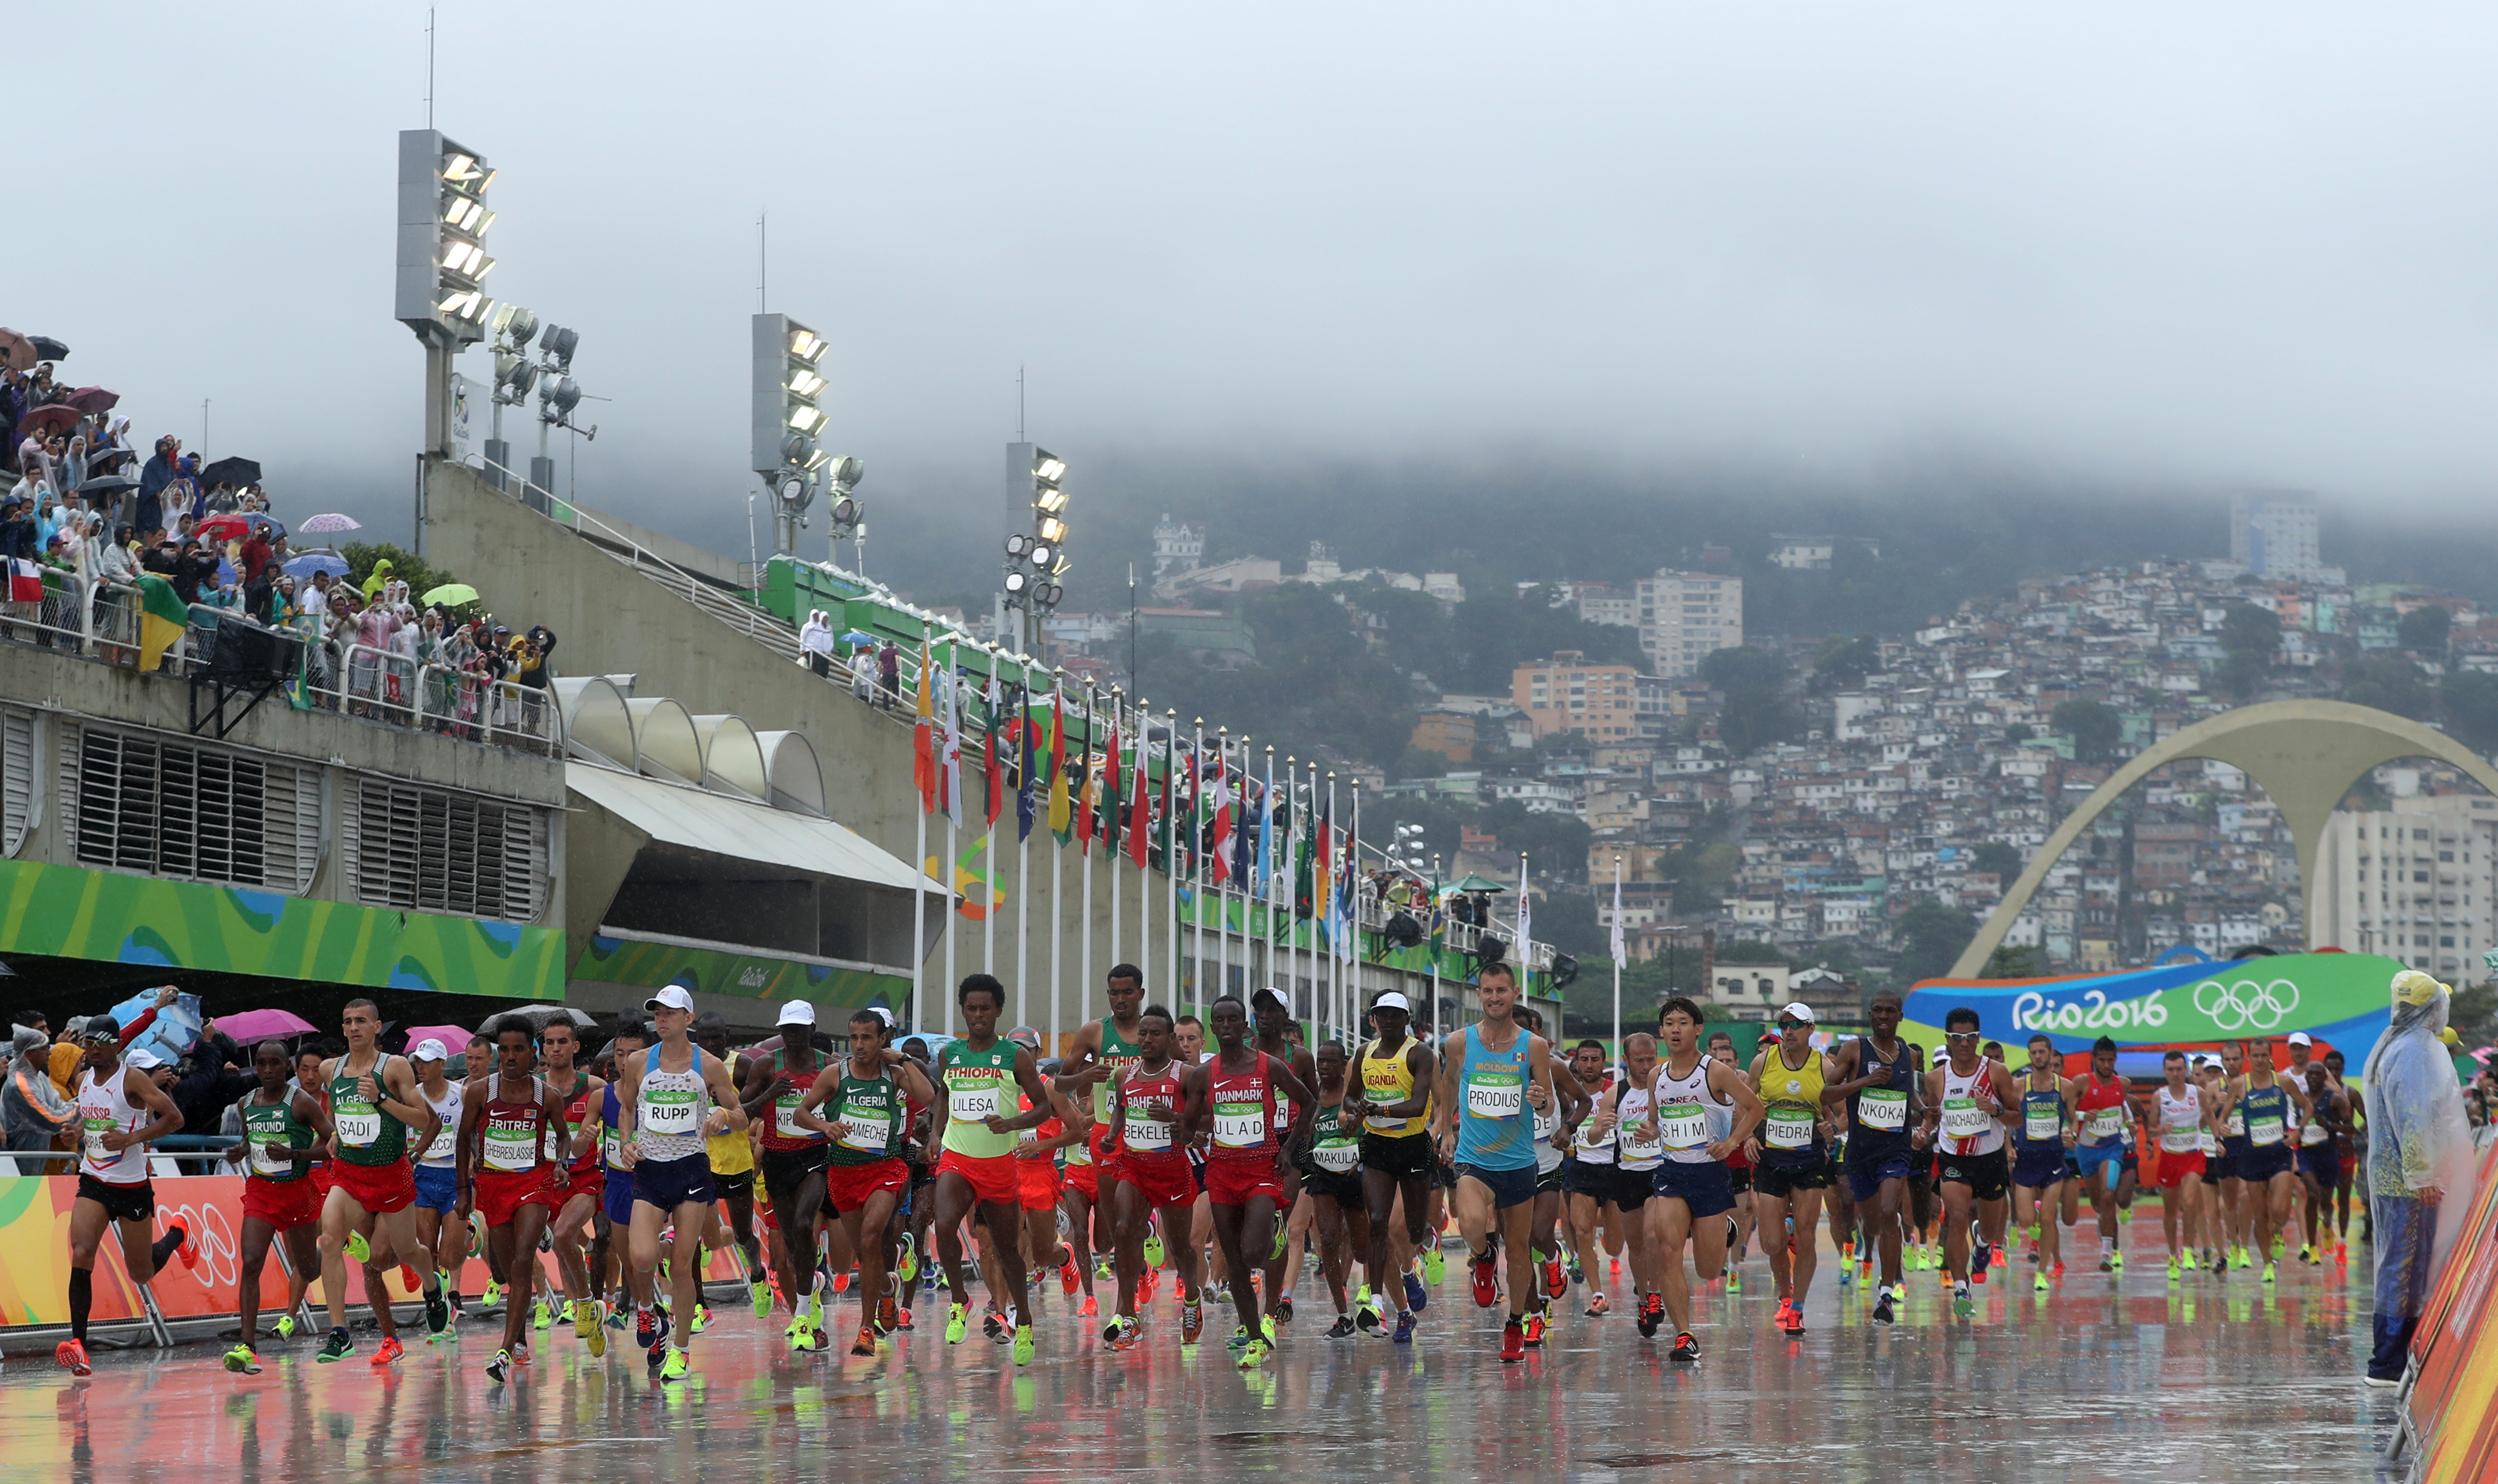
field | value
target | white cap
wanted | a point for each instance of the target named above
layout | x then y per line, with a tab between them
796	1012
883	1014
429	1050
1282	997
673	998
142	1058
2300	1038
1798	1010
1391	1001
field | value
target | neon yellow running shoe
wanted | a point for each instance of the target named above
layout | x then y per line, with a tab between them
957	1325
1023	1345
589	1328
1253	1355
241	1361
286	1326
2173	1270
358	1249
1435	1267
679	1364
1153	1250
1267	1327
2267	1273
542	1316
762	1292
493	1295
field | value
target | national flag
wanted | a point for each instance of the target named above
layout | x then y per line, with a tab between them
1241	852
1059	821
989	750
952	770
1267	829
923	738
163	616
1107	796
26	582
1326	829
1304	860
1220	829
1140	805
1526	908
1028	802
1622	953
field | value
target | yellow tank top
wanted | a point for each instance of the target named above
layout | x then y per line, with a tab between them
732	1152
1390	1079
1792	1099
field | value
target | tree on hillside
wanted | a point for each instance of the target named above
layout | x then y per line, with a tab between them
2251	635
2423	631
2469	700
1997	857
2096	727
2389	683
1930	936
1743	669
2009	963
1844	661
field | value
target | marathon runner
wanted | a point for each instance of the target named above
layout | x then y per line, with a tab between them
585	1184
978	1169
1739	1176
1555	1125
505	1121
1152	1105
442	1203
283	1130
374	1107
1244	1090
919	1140
2351	1145
1790	1158
673	1099
794	1155
2205	1070
1101	1053
861	1105
1277	1036
1393	1077
1587	1179
1965	1096
2183	1119
2046	1103
120	1111
1036	1155
1331	1164
1494	1075
2102	1136
2237	1203
1701	1108
2320	1154
1875	1077
732	1172
1923	1209
478	1057
631	1042
2265	1105
1639	1148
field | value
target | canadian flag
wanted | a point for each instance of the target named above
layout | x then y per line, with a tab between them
25	580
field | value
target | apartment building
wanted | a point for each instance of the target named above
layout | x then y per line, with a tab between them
1684	617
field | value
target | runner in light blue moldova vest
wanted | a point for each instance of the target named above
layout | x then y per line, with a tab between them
1494	1076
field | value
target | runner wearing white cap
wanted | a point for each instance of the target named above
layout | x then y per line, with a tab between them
794	1156
442	1204
671	1099
1391	1092
1791	1158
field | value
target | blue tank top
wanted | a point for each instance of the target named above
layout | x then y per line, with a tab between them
1493	1126
2267	1111
2045	1110
1877	1114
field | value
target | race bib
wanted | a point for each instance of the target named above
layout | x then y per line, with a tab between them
1081	1152
1547	1119
96	1129
1788	1128
2264	1131
972	1105
785	1117
359	1125
270	1154
1496	1092
1684	1126
1964	1119
670	1112
446	1140
510	1149
2181	1139
1146	1134
1886	1108
2314	1133
611	1147
2042	1123
2210	1145
1338	1158
2105	1123
865	1130
1240	1126
2236	1125
1637	1146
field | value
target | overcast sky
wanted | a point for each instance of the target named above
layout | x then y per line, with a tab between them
2213	242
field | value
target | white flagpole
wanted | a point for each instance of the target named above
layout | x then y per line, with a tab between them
1109	828
1139	786
919	918
1318	829
1267	855
1023	854
1224	855
1084	929
1171	853
1288	870
952	914
1617	957
1196	856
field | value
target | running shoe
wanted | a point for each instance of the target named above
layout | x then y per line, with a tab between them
2059	1270
2186	1261
1153	1250
188	1249
2267	1272
2039	1282
1148	1284
588	1326
1795	1319
993	1323
241	1361
864	1347
1435	1268
2280	1246
650	1328
1512	1343
1282	1241
358	1249
1652	1314
1282	1312
437	1314
1266	1326
1404	1328
2342	1253
337	1348
1370	1311
679	1363
1192	1320
1130	1333
1981	1257
1882	1309
888	1315
1963	1305
1343	1327
1734	1280
286	1326
499	1369
903	1321
761	1292
1239	1339
1417	1297
1092	1307
1686	1347
493	1295
1578	1274
2118	1257
1846	1274
391	1350
805	1336
1253	1355
909	1267
1554	1283
702	1316
2173	1270
1067	1278
2307	1255
542	1316
1534	1325
957	1324
2106	1266
1220	1292
1599	1305
1023	1345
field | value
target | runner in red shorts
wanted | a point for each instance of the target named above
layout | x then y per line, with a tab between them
585	1183
378	1117
285	1128
978	1169
1244	1166
1102	1052
865	1108
1148	1171
1037	1167
506	1120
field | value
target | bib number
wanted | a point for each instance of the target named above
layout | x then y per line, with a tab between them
669	1113
972	1105
1964	1119
1637	1147
2262	1132
2236	1126
2106	1124
2314	1133
785	1117
1338	1158
269	1156
1495	1095
2181	1139
1883	1108
1684	1126
611	1147
1789	1128
1240	1126
865	1131
446	1142
1547	1119
2043	1124
359	1125
510	1151
1146	1134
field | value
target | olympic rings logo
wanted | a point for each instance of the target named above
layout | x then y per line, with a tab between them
2246	1005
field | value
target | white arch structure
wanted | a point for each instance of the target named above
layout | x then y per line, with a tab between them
2305	754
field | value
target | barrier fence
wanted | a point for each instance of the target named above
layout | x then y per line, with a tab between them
2450	1400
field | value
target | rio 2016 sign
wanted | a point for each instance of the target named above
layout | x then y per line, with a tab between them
2336	997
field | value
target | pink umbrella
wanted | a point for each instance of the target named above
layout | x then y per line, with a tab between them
93	399
330	523
253	1026
454	1039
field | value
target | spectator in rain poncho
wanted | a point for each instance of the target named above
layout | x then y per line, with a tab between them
816	642
2419	1162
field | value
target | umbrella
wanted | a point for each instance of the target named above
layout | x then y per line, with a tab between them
109	484
48	349
858	635
93	399
17	351
222	528
537	1017
452	593
259	520
232	471
1472	883
454	1039
301	568
51	417
330	522
260	1024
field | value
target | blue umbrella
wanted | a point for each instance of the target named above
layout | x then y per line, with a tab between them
301	568
858	635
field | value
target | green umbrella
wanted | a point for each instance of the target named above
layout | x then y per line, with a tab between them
1472	883
452	593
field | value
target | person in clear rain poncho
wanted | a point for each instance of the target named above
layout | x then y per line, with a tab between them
2419	1162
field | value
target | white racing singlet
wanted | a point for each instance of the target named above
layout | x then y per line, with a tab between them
1967	1127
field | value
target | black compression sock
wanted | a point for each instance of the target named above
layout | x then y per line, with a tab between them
81	1299
164	1245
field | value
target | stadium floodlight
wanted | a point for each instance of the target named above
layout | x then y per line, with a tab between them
1037	511
1019	544
557	345
442	224
786	417
1017	584
1052	529
1040	553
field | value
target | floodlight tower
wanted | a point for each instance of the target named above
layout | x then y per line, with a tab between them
440	288
785	424
1036	545
514	374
